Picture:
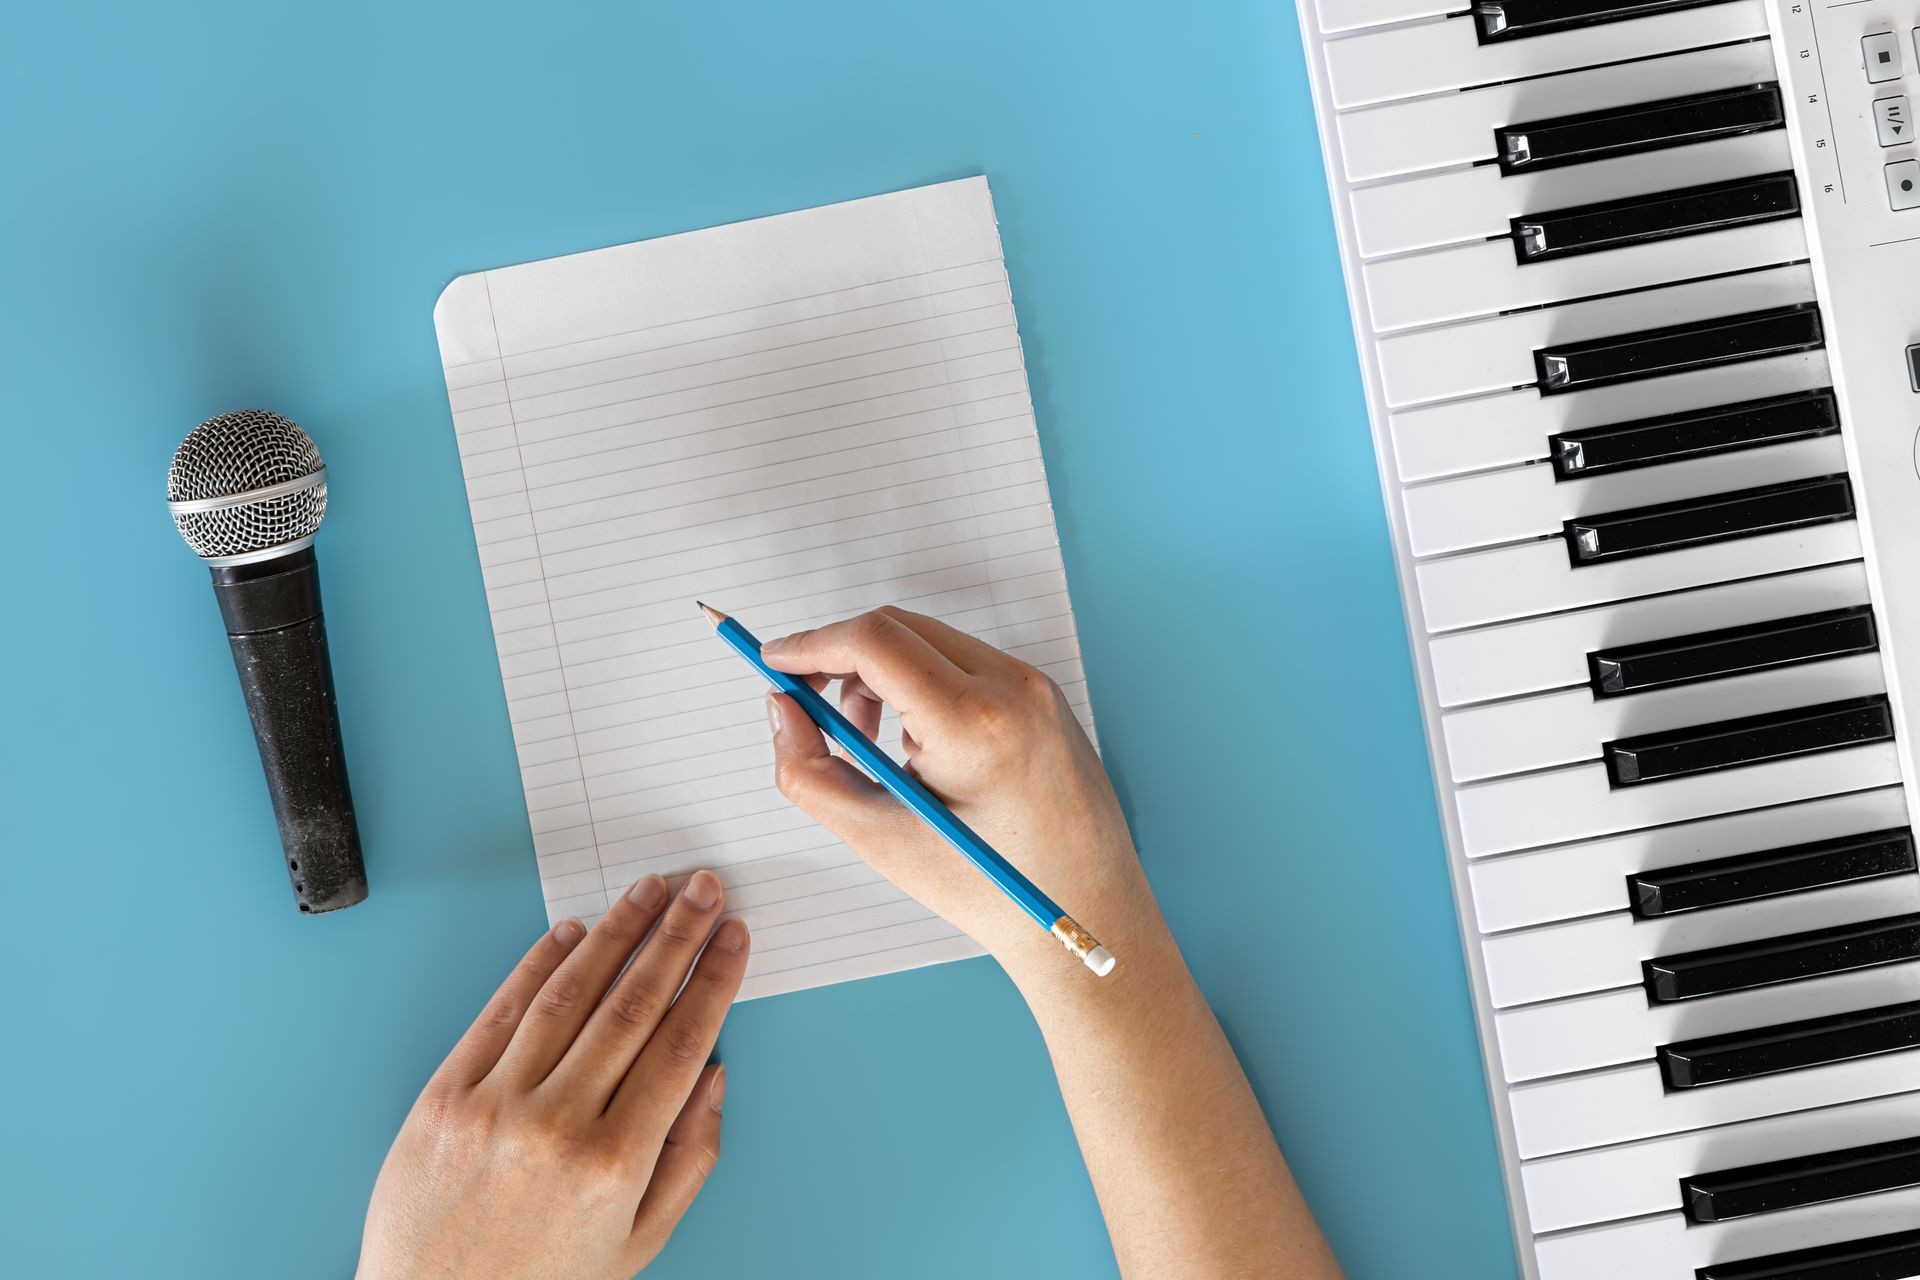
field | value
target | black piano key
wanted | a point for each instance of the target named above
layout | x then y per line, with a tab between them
1712	655
1891	1257
1665	215
1788	1184
1642	127
1514	19
1771	873
1729	744
1696	433
1743	1055
1719	517
1678	348
1813	954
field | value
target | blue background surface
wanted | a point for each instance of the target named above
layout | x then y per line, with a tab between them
204	207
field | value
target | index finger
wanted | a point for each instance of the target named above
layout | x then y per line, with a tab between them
894	660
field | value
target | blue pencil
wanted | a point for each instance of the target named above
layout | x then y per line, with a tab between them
908	791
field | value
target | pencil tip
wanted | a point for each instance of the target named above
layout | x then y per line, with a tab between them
713	615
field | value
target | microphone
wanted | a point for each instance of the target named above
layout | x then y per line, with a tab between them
247	491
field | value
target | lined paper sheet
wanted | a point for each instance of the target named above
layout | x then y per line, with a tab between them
796	419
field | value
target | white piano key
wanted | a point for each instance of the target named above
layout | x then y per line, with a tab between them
1530	502
1350	15
1639	1178
1577	803
1501	430
1569	881
1621	1104
1670	1246
1478	587
1457	129
1473	204
1486	278
1432	57
1568	727
1610	1028
1538	654
1497	354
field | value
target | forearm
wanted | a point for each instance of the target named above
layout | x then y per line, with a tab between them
1188	1175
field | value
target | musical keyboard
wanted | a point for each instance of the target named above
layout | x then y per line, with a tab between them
1633	284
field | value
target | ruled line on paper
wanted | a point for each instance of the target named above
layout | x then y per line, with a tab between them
798	418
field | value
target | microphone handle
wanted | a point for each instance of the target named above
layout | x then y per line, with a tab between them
279	639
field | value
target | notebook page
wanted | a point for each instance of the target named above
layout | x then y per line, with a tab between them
795	419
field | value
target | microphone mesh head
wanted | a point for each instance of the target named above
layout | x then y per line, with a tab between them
237	453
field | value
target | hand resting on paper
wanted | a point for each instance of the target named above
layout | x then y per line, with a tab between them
569	1130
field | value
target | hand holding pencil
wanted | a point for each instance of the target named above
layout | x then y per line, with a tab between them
995	739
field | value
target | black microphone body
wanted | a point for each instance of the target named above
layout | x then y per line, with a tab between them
279	641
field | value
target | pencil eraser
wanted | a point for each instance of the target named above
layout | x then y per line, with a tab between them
1100	960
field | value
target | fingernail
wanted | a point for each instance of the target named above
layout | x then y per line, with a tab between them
717	1091
569	931
702	891
732	935
648	892
773	646
773	712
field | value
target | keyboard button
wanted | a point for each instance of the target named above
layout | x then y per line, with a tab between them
1871	1259
1795	1046
1643	126
1663	663
1913	366
1770	873
1814	953
1811	1179
1670	215
1894	120
1903	184
1513	19
1694	433
1882	54
1653	353
1734	744
1702	521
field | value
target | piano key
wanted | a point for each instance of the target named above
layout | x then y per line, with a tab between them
1608	952
1639	127
1622	1104
1720	882
1742	743
1571	726
1839	1173
1639	1178
1473	204
1498	354
1641	219
1433	57
1463	512
1460	128
1698	1040
1519	425
1695	433
1542	654
1793	1046
1794	957
1596	876
1715	655
1524	19
1350	15
1654	353
1813	1243
1558	806
1693	522
1484	279
1478	587
1884	1257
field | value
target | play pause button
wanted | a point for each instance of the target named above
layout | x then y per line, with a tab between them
1894	120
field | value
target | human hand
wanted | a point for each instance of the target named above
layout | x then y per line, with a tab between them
573	1124
993	738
